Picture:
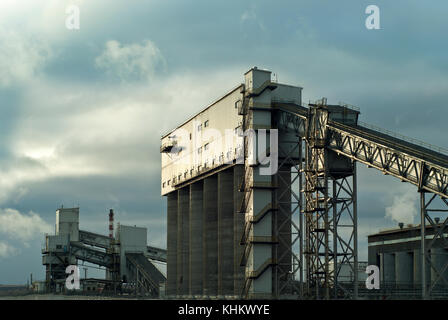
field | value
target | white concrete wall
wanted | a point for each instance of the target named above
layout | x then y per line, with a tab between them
131	239
67	222
222	117
52	242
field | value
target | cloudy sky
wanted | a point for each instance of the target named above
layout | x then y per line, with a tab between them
82	111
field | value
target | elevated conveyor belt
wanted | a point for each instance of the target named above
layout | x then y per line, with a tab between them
101	241
156	254
89	254
147	274
95	239
409	162
423	167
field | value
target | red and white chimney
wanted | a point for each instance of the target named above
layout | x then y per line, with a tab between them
111	223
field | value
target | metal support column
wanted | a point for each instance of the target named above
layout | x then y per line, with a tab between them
327	211
434	240
422	243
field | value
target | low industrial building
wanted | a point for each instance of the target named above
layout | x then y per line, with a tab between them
127	257
397	253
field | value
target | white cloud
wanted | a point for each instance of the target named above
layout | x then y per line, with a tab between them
23	227
139	61
404	206
100	129
21	57
7	250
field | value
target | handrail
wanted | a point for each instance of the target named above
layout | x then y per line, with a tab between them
404	138
350	106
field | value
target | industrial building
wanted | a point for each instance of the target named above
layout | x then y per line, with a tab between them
128	260
262	193
204	186
397	252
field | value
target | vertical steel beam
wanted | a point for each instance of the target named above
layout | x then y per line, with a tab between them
434	252
326	200
287	226
355	229
282	229
317	200
422	243
335	240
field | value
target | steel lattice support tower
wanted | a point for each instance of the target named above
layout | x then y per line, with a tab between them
289	222
344	225
432	254
330	205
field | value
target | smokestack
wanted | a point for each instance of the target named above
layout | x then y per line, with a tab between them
111	223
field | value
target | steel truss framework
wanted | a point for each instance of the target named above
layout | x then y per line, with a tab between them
344	226
327	213
326	228
378	152
289	231
408	164
429	206
141	279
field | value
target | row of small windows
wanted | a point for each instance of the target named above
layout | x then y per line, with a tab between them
206	124
206	147
238	152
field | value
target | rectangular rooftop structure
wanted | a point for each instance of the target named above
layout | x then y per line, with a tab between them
67	222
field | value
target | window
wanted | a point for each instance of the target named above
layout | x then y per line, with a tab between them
163	186
200	127
168	183
200	150
206	124
206	146
190	136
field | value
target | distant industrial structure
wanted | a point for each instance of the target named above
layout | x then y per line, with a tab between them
127	257
398	254
262	194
